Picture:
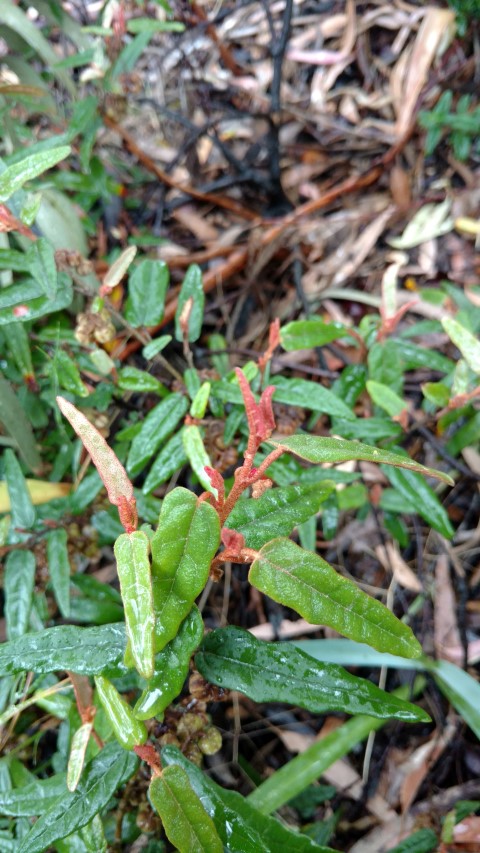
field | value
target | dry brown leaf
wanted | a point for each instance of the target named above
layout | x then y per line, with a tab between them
446	634
418	765
391	560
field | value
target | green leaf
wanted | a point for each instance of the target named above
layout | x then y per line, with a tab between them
18	586
277	511
197	455
170	459
421	499
86	651
151	25
68	374
279	672
41	264
185	821
387	399
240	826
133	379
437	393
18	342
183	547
103	776
59	568
307	767
307	334
34	798
22	509
414	356
316	449
76	759
171	668
17	425
129	731
309	395
147	287
467	343
461	690
305	582
23	302
134	573
369	430
14	177
191	289
156	427
200	401
423	841
349	653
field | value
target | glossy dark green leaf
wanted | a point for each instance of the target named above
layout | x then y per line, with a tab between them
86	651
191	289
309	395
34	798
170	459
42	267
421	499
276	512
279	672
17	425
306	334
414	356
18	586
59	568
171	668
240	826
186	823
22	509
147	287
129	731
102	777
316	449
183	547
132	379
303	581
157	426
308	766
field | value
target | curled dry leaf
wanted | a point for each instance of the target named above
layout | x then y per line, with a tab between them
111	471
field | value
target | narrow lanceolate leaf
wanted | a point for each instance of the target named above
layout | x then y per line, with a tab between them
17	425
279	672
316	449
129	731
134	573
86	651
306	583
113	474
34	798
197	455
171	668
30	167
241	827
183	547
187	825
170	459
461	690
23	512
103	776
191	290
467	343
76	758
42	267
59	568
306	334
421	499
18	584
157	426
277	511
310	395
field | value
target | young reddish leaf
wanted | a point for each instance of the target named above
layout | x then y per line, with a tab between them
261	422
112	472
